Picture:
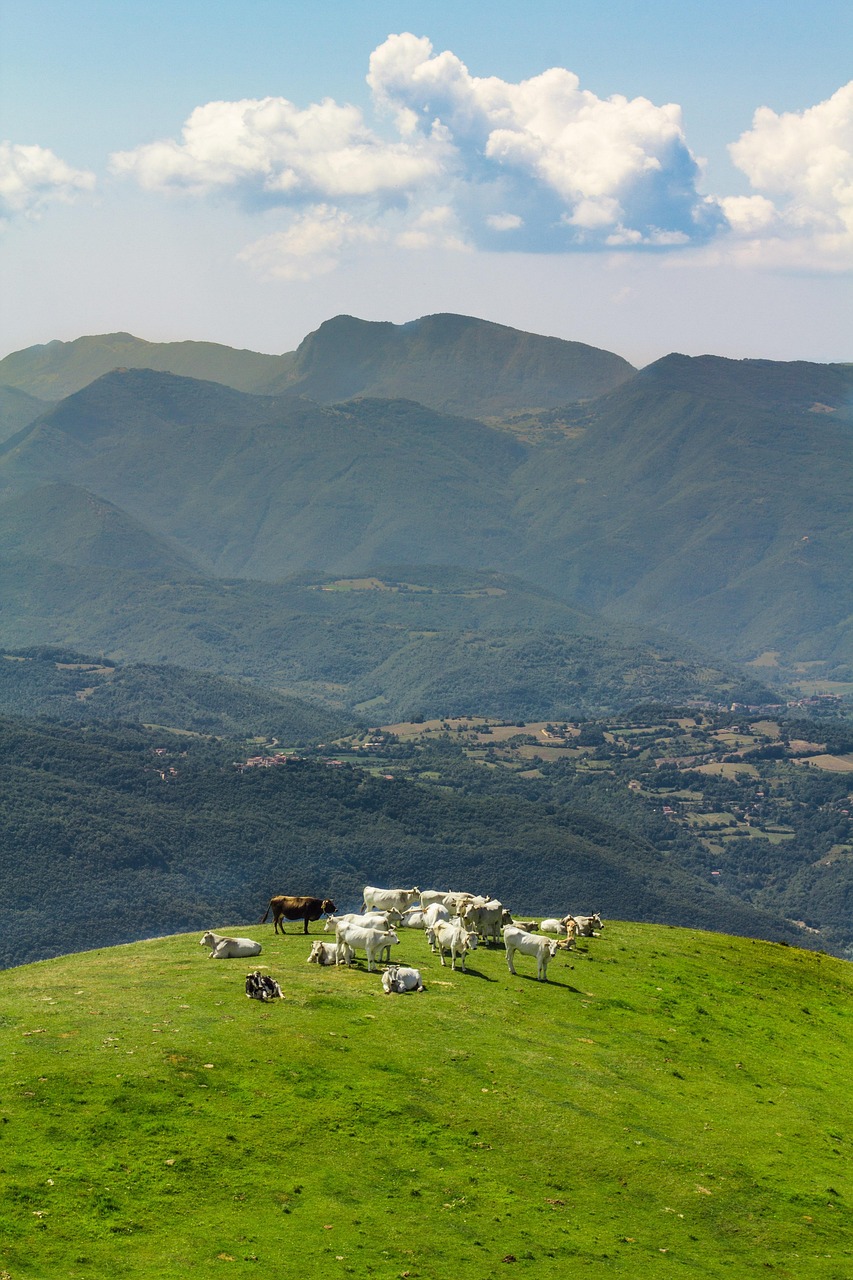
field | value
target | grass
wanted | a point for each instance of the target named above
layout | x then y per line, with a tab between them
672	1104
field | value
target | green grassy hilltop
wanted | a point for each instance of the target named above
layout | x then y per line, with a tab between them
672	1103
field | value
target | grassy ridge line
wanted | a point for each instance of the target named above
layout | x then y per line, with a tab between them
673	1103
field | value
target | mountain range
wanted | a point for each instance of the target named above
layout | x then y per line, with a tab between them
701	499
444	518
456	364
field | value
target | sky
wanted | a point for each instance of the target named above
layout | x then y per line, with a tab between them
645	176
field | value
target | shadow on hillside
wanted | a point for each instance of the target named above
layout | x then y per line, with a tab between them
551	982
475	973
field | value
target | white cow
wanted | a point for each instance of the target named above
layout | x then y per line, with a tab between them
529	945
371	941
435	912
452	936
552	925
484	918
222	948
429	896
389	899
589	926
529	926
399	979
453	899
367	920
326	953
412	919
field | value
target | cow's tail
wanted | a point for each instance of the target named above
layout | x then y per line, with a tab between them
266	913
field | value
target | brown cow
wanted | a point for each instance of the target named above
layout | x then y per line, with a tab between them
284	907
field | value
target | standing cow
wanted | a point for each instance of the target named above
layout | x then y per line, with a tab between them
389	899
527	944
284	907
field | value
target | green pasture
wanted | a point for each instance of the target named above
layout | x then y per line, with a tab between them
671	1104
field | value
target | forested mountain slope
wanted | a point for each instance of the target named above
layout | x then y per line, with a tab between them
452	363
264	487
705	495
457	364
137	832
79	688
17	410
711	494
418	641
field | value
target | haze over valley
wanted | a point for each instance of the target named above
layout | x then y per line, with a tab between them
421	524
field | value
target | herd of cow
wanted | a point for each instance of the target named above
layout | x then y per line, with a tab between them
454	924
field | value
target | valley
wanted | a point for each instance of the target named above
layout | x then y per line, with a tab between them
506	602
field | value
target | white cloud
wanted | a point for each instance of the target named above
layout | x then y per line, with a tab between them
504	221
591	167
310	246
538	166
803	161
460	161
268	148
435	228
32	177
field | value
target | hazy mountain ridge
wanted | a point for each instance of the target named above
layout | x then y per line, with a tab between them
452	363
17	410
80	688
422	642
456	364
705	495
66	524
54	370
263	486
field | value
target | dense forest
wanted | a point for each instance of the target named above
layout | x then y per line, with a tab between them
115	833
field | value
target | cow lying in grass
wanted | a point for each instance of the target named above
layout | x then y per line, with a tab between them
327	953
260	986
222	948
398	979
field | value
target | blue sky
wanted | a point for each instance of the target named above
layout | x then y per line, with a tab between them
240	173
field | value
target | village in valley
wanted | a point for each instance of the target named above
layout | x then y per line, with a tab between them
721	774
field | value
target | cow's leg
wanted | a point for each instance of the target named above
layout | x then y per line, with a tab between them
305	930
509	963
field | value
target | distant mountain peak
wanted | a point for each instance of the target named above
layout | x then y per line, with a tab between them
454	363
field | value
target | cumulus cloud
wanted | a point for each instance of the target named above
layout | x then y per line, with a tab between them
32	177
573	168
310	246
802	163
269	148
453	160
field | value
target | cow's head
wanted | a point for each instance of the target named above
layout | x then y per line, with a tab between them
471	941
329	907
552	948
